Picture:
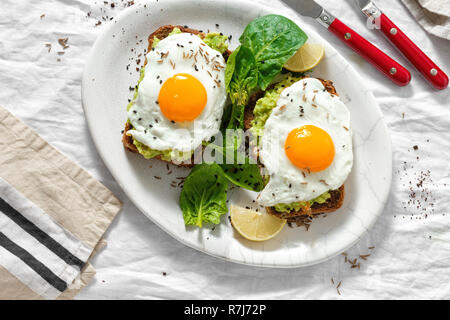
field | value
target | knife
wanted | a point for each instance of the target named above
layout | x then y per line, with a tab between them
431	72
389	67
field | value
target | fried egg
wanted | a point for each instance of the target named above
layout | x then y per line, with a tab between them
306	145
182	95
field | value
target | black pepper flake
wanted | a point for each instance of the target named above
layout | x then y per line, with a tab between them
134	111
217	25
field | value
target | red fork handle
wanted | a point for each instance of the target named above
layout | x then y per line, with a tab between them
392	69
420	60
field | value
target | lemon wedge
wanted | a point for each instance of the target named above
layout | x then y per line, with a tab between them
306	58
255	226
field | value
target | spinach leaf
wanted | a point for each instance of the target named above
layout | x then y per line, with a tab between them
242	173
241	78
203	198
247	176
273	40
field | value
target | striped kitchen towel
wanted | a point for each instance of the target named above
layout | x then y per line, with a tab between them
53	216
35	249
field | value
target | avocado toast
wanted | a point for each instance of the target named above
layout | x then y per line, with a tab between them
162	33
305	214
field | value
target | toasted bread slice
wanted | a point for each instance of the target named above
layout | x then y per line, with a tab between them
162	33
304	216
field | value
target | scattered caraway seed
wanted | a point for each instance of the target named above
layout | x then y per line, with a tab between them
63	42
42	16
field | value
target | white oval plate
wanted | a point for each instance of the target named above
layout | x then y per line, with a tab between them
105	94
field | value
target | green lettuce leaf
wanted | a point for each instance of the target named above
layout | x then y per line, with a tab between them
204	195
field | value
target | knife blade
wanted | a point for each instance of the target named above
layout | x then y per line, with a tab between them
429	70
388	66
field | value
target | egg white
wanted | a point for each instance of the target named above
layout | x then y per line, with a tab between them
287	182
179	53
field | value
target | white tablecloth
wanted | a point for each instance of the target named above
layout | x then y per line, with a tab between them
411	254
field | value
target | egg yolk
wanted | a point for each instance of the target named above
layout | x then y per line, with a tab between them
182	97
309	148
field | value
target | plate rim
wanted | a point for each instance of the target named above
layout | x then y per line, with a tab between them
267	9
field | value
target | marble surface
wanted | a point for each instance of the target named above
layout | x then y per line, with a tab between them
408	245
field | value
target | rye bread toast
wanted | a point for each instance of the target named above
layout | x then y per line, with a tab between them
304	216
162	33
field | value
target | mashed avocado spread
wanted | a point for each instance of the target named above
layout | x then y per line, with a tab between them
262	111
216	42
266	104
296	206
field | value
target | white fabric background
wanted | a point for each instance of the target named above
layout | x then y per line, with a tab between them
411	258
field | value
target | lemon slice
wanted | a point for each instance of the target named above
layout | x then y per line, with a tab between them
306	58
255	226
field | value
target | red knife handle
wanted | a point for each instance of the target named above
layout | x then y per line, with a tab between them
420	60
392	69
